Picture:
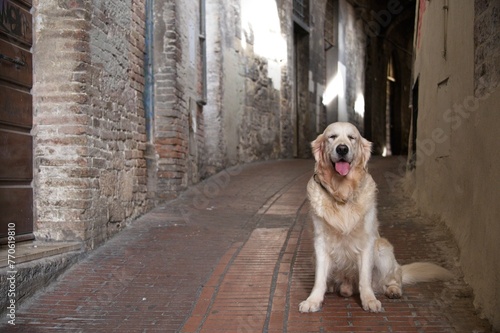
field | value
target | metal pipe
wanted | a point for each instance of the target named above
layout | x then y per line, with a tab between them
148	72
203	49
445	28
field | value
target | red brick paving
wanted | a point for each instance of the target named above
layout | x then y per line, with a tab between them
234	255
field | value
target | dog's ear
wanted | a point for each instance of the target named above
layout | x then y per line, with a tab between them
318	147
366	151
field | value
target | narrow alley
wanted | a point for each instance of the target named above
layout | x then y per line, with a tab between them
154	157
234	254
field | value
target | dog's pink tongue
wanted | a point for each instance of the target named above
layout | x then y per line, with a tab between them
342	168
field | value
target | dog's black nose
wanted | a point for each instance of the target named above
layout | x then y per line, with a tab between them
342	150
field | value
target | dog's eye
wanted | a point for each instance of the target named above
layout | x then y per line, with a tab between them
333	136
351	137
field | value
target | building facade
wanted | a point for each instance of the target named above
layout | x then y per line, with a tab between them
112	107
455	151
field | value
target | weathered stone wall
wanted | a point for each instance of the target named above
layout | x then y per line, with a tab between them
90	174
216	146
118	137
252	113
310	85
96	165
352	42
486	45
265	85
248	83
456	175
178	125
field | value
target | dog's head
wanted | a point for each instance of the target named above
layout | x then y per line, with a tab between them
341	151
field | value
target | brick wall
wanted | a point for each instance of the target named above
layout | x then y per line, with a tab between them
89	127
176	82
250	110
96	169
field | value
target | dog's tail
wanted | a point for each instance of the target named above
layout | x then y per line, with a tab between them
424	272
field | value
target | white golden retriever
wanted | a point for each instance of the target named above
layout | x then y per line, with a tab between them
350	254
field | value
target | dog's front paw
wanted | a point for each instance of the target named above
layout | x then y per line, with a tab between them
310	306
372	305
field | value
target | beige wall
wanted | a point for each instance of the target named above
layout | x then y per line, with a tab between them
458	152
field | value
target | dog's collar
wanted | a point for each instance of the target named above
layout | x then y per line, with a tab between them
316	179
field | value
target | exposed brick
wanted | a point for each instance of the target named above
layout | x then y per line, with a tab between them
83	52
73	129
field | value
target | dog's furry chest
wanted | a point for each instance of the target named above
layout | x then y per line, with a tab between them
344	218
343	245
345	228
344	251
347	241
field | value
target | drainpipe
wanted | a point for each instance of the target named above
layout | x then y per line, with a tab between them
203	44
445	28
148	72
148	98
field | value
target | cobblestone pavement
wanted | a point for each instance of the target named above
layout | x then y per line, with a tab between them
234	254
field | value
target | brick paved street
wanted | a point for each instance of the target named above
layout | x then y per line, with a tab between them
233	254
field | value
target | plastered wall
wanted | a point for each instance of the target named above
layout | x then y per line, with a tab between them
457	176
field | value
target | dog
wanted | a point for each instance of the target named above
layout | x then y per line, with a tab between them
350	255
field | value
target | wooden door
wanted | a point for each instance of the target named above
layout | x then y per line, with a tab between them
16	110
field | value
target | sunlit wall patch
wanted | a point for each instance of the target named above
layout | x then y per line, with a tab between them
334	88
261	27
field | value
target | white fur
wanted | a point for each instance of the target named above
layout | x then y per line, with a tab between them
349	252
